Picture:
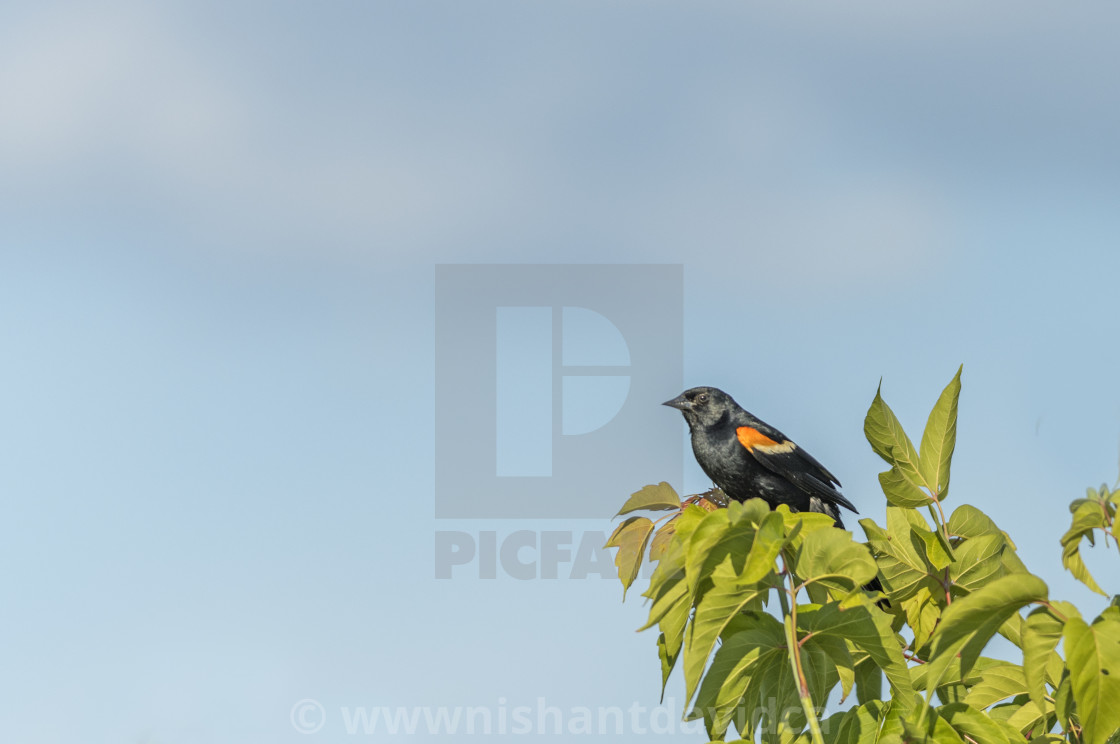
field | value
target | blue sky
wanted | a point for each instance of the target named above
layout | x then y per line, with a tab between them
218	231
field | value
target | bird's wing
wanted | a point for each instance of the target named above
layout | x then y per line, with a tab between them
781	456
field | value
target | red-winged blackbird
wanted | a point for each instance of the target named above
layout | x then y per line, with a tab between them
748	458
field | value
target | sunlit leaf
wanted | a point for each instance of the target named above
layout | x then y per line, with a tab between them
968	521
808	521
670	566
661	497
933	547
672	625
1063	701
953	685
837	651
819	669
1041	633
719	605
832	558
670	593
1015	736
972	723
901	489
1093	657
885	435
768	543
869	629
746	552
723	533
711	530
1010	561
1086	517
661	539
922	614
751	652
860	725
997	683
1027	717
668	661
970	622
939	439
869	680
978	562
903	568
630	538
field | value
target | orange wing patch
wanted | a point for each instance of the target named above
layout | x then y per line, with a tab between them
754	439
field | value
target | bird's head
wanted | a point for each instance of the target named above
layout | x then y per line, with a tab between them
703	406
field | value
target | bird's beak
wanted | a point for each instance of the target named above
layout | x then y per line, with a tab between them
681	403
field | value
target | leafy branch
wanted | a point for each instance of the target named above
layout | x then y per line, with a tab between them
953	581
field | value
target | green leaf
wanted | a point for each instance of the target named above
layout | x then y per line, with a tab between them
804	522
669	595
885	435
933	547
901	490
869	680
970	622
710	532
943	732
722	533
837	651
997	682
672	625
903	568
730	594
719	605
939	439
1010	560
953	685
922	724
753	652
972	723
768	543
670	565
860	725
668	661
968	521
661	497
869	629
1063	701
630	538
819	669
1015	736
1093	658
978	562
1027	717
661	539
1087	516
1041	633
832	558
922	615
891	726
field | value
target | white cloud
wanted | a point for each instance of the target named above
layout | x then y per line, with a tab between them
815	138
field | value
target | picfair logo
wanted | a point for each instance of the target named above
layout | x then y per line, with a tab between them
548	380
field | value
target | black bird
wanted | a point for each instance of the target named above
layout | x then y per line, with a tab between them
748	458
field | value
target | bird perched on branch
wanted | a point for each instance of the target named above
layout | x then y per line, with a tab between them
748	458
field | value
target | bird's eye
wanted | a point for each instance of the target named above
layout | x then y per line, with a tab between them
702	398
